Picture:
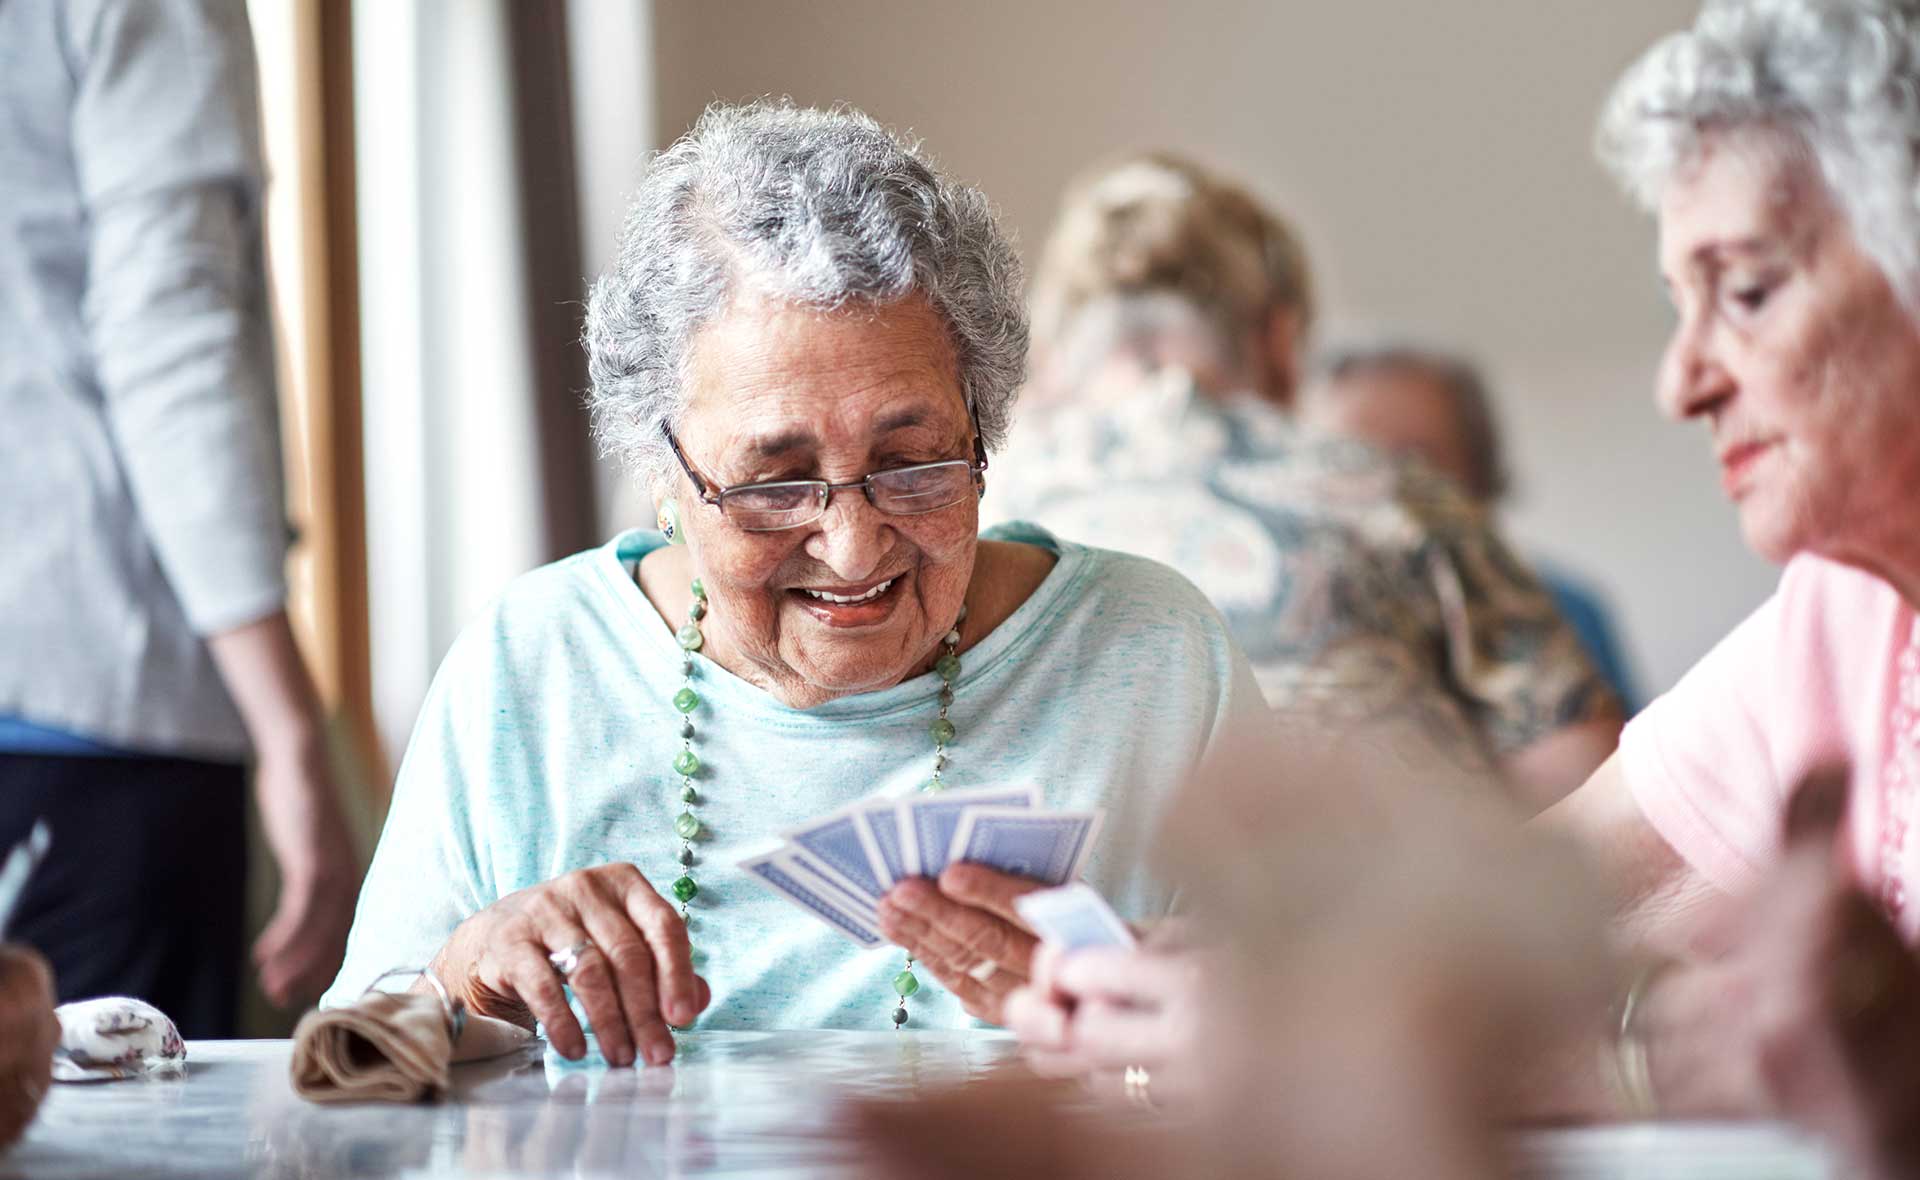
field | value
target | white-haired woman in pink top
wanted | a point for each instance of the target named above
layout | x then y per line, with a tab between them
1779	143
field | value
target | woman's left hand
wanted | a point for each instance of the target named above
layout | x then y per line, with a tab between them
965	931
1810	1010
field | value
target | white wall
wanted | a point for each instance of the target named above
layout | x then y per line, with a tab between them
1435	153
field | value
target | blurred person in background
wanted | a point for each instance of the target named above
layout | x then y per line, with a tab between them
1778	144
145	653
1361	589
1433	406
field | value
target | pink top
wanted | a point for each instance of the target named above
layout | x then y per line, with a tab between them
1827	670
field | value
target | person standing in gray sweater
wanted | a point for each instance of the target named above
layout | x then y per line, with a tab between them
145	654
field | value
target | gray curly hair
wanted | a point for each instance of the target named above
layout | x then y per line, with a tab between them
824	208
1837	80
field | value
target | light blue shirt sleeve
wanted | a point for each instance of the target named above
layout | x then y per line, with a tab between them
426	877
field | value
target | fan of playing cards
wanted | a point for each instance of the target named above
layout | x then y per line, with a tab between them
837	867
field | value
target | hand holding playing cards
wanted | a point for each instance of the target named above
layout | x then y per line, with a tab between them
1094	1013
965	931
635	975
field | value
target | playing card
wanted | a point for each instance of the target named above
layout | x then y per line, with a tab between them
783	872
1074	916
838	851
1049	846
879	827
928	822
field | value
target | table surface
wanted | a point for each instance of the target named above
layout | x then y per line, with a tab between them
734	1104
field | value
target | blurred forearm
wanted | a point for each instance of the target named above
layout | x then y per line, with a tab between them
261	666
1543	772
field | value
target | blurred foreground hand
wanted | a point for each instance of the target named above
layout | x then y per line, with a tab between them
1376	943
28	1034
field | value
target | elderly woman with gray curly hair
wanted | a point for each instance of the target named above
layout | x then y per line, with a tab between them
1757	820
806	348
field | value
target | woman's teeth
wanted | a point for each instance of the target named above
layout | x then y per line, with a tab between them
869	596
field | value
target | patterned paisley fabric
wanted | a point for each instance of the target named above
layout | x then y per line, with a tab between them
1362	588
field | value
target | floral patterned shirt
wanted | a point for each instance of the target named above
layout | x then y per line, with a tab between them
1362	589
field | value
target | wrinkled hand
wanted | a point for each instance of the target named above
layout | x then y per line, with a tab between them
1810	1009
299	951
634	981
28	1035
1092	1014
961	925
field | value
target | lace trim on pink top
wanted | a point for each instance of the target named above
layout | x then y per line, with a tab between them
1901	779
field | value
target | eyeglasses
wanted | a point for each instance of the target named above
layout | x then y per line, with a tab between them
791	503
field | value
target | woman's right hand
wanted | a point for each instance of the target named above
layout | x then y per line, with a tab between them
1094	1014
29	1033
635	977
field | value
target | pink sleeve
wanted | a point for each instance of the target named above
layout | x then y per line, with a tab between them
1699	760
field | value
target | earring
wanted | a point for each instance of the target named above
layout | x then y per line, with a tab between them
669	521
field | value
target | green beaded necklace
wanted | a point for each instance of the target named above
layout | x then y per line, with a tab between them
687	764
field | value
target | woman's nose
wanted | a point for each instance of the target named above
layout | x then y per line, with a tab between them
853	536
1692	378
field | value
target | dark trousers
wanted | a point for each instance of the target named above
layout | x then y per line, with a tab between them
143	891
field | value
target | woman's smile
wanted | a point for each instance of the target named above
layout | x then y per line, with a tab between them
864	605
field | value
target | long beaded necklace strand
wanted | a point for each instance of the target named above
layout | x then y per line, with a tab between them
687	764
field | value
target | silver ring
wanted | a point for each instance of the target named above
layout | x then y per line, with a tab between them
566	962
983	970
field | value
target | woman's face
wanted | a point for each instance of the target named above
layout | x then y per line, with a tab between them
1795	351
782	392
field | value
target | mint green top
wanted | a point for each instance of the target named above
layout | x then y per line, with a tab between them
546	744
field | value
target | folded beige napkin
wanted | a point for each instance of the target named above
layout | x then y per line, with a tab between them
390	1047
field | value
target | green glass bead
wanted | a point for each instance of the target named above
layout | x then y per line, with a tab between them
697	611
905	984
688	794
942	730
947	666
686	700
686	826
685	763
684	889
699	589
690	637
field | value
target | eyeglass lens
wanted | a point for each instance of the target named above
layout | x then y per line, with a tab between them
904	491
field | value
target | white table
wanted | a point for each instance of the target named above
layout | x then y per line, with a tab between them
735	1103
